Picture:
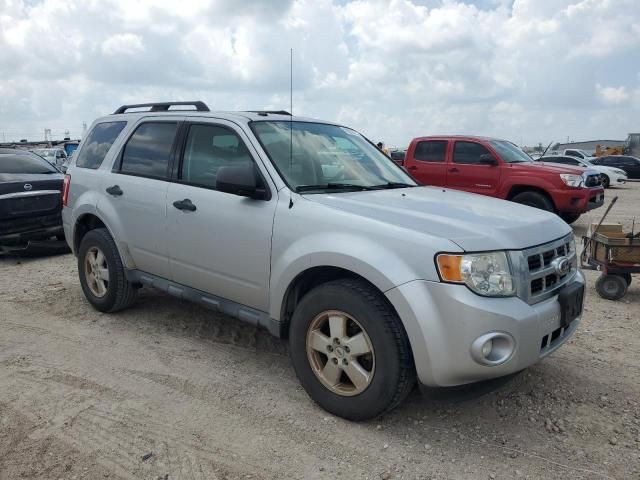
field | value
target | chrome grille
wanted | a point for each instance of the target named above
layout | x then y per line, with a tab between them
593	180
536	272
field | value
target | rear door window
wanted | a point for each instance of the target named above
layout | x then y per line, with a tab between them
98	143
148	150
431	151
468	153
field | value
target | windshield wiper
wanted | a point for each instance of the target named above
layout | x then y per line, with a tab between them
333	186
389	185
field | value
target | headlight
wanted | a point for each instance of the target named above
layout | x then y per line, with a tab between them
572	180
487	274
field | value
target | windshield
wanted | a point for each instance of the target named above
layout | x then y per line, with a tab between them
45	153
319	157
509	152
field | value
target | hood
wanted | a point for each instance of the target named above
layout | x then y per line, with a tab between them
548	167
474	222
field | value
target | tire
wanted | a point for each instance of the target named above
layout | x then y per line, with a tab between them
570	217
534	199
117	292
389	363
606	181
611	287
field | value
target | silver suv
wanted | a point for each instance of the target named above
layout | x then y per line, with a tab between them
305	228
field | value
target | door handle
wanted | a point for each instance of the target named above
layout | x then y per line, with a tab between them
184	205
115	190
453	170
412	167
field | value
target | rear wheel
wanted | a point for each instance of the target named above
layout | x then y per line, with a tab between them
534	199
611	287
102	274
606	181
350	351
570	217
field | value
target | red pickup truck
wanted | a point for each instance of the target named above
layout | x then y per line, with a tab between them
500	169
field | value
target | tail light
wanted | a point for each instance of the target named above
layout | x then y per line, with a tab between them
65	189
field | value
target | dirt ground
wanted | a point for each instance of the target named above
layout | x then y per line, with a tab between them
84	395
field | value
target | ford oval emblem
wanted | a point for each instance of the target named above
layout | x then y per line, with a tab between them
27	186
562	266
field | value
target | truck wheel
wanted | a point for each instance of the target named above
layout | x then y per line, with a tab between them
611	287
606	182
350	351
534	199
102	274
570	217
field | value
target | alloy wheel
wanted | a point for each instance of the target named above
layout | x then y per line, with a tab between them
96	272
340	353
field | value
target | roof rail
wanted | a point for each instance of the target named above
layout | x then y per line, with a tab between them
264	113
163	106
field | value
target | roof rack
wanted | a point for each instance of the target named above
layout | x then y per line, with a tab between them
163	106
264	113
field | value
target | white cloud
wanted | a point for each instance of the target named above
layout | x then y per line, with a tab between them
123	44
613	95
532	69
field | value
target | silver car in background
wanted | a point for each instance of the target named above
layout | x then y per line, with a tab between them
305	228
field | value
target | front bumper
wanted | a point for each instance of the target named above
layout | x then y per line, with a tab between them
618	180
578	200
443	321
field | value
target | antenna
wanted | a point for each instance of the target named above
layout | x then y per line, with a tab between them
291	110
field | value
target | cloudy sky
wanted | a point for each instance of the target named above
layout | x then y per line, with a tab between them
527	70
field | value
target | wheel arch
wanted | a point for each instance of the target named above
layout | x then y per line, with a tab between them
90	221
307	280
518	189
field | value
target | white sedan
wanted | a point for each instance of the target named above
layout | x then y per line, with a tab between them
610	175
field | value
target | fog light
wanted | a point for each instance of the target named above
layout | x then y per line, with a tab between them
494	348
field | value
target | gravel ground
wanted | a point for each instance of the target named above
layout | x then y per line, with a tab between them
84	395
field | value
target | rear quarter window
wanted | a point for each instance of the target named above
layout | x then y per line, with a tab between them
98	143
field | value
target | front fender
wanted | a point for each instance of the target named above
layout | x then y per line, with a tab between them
349	252
534	182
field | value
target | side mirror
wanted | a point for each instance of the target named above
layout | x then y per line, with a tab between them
487	159
241	180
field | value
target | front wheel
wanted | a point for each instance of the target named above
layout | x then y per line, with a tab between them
570	217
350	351
534	199
611	287
606	182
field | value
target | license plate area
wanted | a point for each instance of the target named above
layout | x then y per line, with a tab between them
571	299
32	204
